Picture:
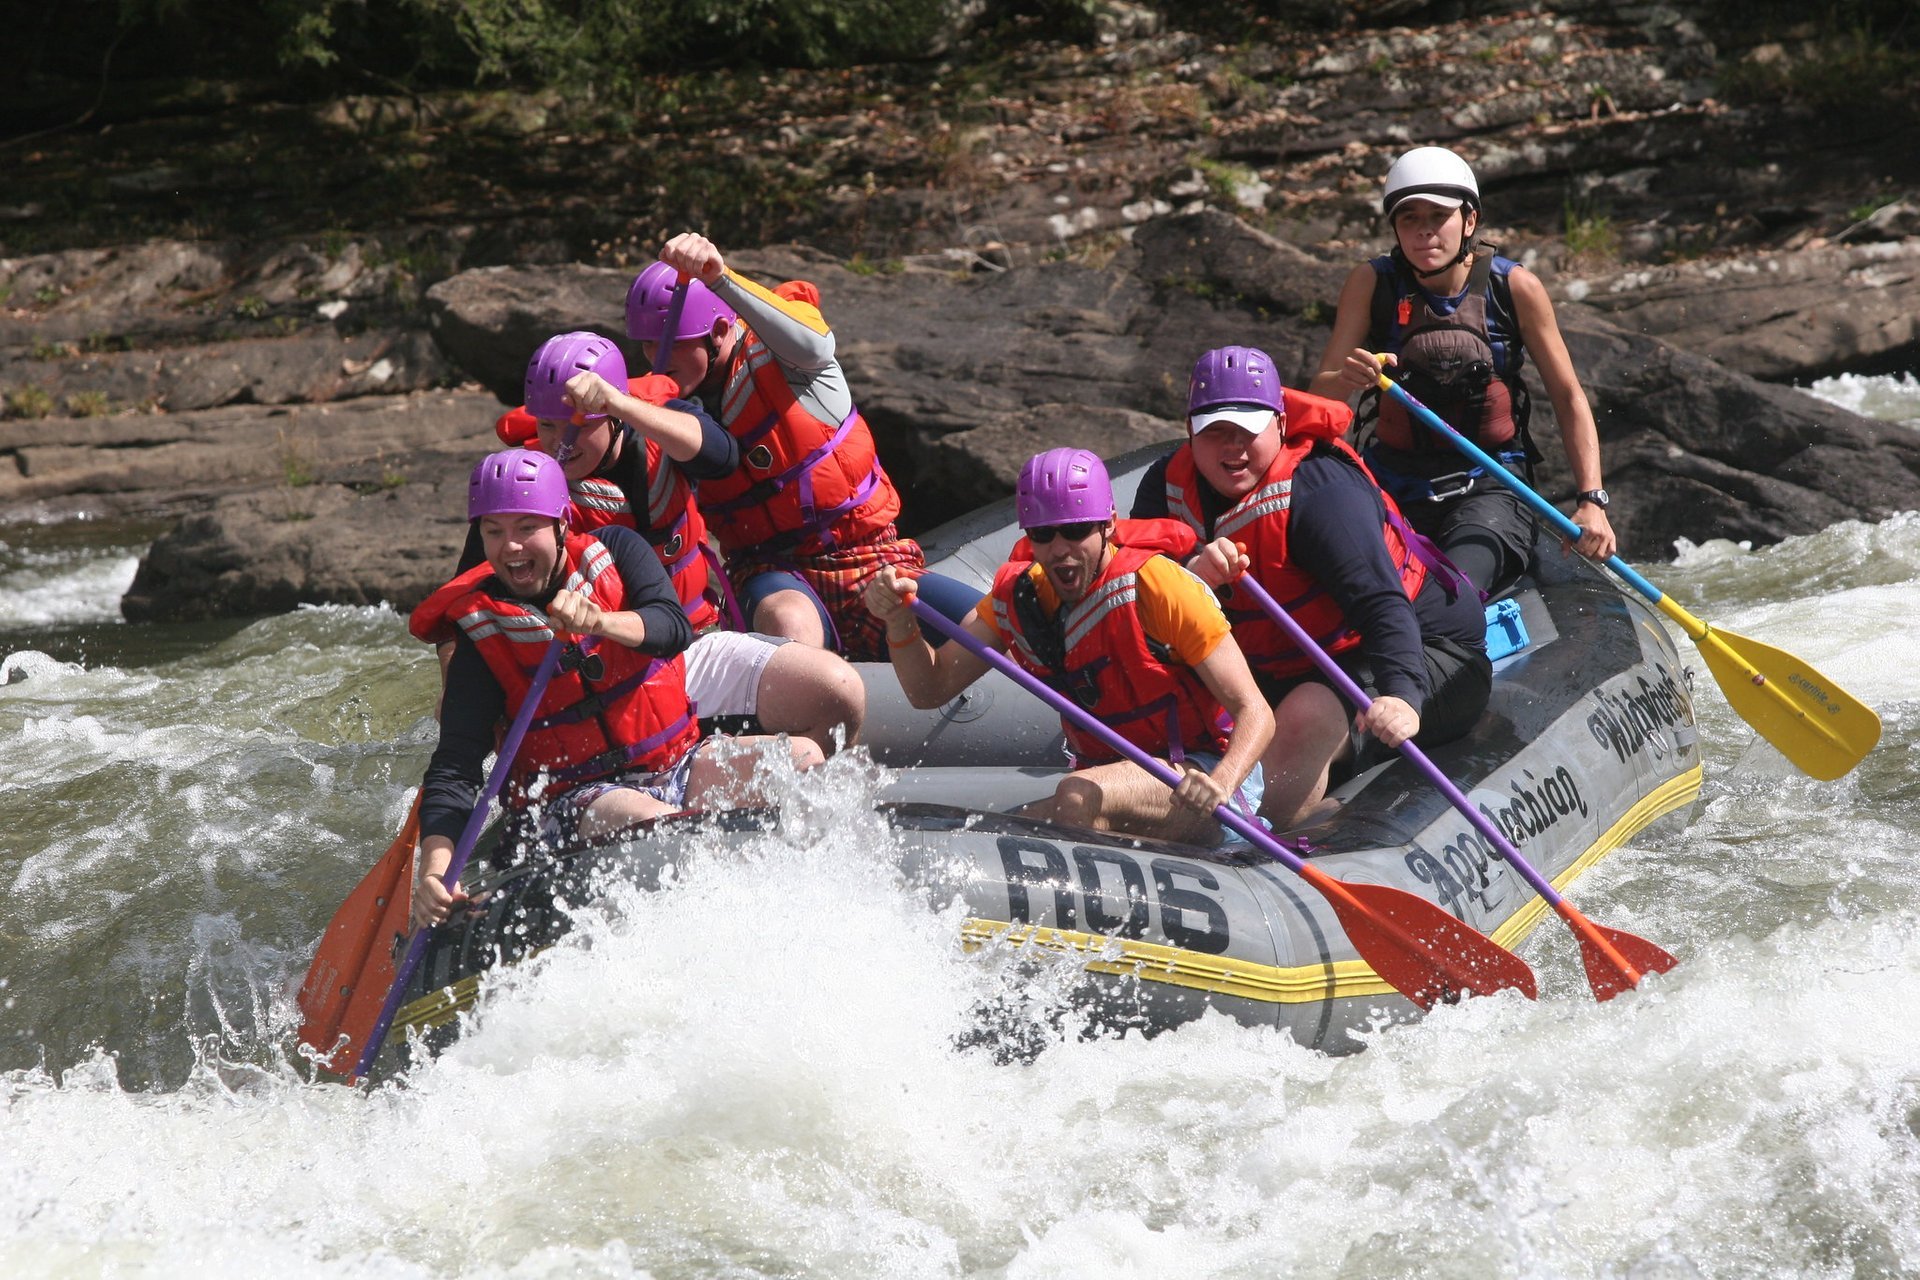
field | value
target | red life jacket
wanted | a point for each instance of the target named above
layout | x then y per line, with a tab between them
675	528
803	485
1258	521
633	713
1096	653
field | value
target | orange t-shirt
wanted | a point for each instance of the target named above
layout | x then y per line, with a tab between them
1176	609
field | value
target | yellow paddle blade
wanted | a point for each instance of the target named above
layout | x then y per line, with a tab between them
1819	726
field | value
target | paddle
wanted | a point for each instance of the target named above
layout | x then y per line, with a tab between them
341	994
1615	960
663	349
502	764
1824	730
1415	947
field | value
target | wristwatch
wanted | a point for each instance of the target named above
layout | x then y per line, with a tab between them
1598	497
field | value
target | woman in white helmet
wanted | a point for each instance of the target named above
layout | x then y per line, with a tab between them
1456	325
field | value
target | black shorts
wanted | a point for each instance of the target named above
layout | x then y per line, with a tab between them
1487	532
1459	682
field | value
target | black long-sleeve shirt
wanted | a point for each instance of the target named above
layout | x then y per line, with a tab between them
474	704
1333	534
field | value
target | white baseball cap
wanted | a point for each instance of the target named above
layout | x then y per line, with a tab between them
1253	418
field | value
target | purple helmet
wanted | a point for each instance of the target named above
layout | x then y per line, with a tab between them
1233	384
559	358
652	294
1062	486
517	482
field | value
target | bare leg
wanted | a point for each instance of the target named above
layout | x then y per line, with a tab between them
727	777
790	613
1309	734
619	810
809	693
1123	797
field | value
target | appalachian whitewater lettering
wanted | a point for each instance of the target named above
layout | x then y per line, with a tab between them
1628	723
1462	871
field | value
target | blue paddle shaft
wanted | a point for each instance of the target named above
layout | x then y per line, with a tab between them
469	836
1250	830
1547	510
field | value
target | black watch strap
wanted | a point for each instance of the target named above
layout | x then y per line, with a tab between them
1598	497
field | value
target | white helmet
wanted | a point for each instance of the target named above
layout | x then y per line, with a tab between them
1434	174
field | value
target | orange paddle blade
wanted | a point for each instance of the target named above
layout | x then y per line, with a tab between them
347	983
1632	957
1423	952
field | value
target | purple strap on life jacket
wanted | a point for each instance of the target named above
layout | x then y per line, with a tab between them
598	700
609	761
729	598
760	431
802	469
1428	552
813	522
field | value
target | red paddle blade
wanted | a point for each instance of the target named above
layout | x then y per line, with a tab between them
1420	950
1633	957
352	968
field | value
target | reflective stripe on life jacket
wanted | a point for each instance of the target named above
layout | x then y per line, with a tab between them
803	484
610	709
674	528
1096	653
1258	521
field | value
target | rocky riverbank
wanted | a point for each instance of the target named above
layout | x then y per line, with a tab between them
1009	263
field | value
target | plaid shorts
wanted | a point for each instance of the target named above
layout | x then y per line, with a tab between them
839	577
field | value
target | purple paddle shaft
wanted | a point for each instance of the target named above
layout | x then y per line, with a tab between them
1248	828
1421	761
502	765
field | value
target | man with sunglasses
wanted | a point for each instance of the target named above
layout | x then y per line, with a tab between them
1269	487
1128	634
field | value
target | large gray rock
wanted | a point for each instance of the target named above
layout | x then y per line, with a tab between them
491	320
1778	316
371	507
964	376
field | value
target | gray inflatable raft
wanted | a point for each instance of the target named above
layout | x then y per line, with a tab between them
1588	738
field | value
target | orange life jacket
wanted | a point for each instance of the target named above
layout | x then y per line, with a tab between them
804	485
1258	521
1096	653
675	528
613	709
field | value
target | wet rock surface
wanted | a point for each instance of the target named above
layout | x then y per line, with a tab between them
1011	259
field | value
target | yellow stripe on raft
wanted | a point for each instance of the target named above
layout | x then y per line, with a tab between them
1303	984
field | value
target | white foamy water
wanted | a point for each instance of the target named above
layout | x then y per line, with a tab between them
61	586
1895	398
755	1071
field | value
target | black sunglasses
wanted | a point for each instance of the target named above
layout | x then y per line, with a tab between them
1071	532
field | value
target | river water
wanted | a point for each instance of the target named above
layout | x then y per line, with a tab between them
753	1072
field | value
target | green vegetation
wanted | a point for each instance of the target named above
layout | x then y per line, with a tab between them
1861	212
1852	54
89	404
296	463
29	402
1590	233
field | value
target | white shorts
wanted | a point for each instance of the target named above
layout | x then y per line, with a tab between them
724	670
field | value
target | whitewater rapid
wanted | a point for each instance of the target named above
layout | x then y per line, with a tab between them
756	1071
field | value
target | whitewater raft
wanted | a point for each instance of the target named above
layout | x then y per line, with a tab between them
1589	737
